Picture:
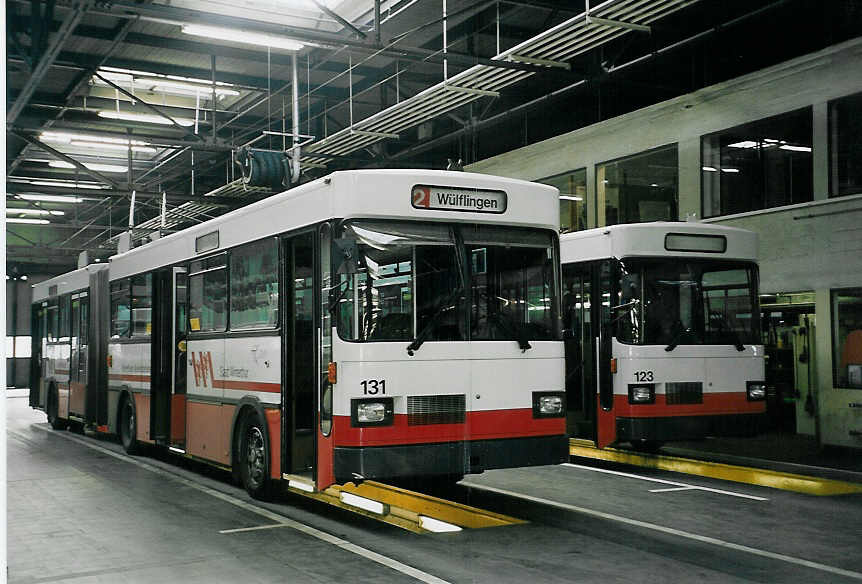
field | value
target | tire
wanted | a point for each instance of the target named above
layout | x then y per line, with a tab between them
127	426
254	457
52	409
648	446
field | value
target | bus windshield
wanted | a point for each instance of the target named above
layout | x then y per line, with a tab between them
446	282
674	301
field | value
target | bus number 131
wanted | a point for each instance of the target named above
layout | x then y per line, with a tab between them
373	386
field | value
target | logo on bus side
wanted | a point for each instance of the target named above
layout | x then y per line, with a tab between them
458	199
202	364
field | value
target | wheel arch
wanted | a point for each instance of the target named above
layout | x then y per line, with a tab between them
243	407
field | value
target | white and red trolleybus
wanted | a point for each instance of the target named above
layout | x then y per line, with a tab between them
373	324
661	328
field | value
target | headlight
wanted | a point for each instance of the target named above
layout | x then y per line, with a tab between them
756	390
643	393
372	412
549	404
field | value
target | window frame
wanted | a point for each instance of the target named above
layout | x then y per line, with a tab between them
229	326
674	212
833	293
832	138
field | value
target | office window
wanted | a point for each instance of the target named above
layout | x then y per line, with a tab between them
639	188
756	166
845	146
573	199
847	338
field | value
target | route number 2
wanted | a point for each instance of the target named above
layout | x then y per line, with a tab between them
373	386
644	376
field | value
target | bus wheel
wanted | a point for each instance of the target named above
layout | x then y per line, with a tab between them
254	457
644	445
128	427
52	410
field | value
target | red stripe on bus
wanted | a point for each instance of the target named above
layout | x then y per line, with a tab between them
483	425
714	404
126	377
248	385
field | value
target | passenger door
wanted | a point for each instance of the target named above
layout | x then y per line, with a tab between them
300	363
162	355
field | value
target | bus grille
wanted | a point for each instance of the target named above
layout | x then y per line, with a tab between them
686	392
435	409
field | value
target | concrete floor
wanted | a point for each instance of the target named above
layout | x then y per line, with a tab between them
81	511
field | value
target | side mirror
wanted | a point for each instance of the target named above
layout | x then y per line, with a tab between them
347	255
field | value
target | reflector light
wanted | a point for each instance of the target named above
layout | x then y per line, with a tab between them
613	365
437	526
332	373
301	486
362	503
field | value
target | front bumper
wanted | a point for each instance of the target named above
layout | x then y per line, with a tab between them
448	458
677	428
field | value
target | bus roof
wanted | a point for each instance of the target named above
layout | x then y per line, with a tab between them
69	282
649	240
374	194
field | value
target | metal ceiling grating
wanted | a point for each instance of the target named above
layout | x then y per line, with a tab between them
561	43
196	211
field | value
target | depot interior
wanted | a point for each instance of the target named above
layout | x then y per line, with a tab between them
129	120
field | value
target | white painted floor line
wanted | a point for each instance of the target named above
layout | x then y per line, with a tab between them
664	482
672	531
671	489
280	519
257	528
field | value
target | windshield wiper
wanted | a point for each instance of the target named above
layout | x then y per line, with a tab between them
514	329
724	325
448	304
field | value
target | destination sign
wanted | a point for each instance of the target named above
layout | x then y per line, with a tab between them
458	199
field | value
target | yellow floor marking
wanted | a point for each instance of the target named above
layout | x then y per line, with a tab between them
728	472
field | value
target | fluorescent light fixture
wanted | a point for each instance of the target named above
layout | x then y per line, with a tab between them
243	36
104	146
27	220
730	170
302	486
743	144
145	118
362	503
170	85
795	148
32	212
173	448
436	526
92	166
91	141
709	168
571	198
654	185
67	184
50	198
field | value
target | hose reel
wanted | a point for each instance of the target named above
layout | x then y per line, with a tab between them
265	168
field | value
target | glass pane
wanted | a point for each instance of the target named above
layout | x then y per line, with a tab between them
845	135
254	286
410	282
513	285
573	196
142	305
208	294
669	302
638	188
63	332
764	164
847	338
121	316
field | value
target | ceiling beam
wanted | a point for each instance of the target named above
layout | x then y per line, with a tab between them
41	69
65	157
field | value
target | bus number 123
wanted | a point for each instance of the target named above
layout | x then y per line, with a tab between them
373	386
644	376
